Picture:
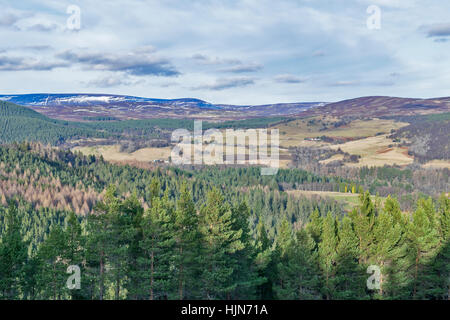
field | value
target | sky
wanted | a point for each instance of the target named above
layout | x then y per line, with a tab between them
227	51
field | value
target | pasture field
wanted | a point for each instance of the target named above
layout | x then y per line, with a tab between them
112	153
293	133
376	151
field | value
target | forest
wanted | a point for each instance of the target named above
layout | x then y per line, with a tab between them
215	233
175	250
429	135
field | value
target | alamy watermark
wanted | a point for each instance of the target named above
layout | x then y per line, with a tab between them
215	147
74	20
74	280
374	20
374	281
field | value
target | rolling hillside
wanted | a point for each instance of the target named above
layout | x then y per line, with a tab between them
85	107
381	107
18	123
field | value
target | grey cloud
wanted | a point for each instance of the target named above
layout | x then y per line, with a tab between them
244	68
38	47
227	83
437	30
288	78
137	63
23	64
234	65
41	27
203	59
110	82
8	19
354	83
345	83
169	84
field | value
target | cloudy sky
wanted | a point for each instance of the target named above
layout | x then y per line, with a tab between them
227	51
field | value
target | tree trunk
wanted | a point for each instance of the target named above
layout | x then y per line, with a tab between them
151	275
416	272
180	284
102	271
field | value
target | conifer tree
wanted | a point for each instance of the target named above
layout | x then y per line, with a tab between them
363	219
441	266
97	242
297	270
221	242
52	279
264	262
13	255
74	249
188	242
314	227
284	243
245	273
387	244
423	247
158	245
350	277
327	255
132	211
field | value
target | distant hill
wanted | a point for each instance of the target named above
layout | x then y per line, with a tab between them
382	106
80	107
19	123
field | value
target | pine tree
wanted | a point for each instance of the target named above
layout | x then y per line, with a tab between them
314	227
265	263
97	242
158	244
245	274
442	263
132	218
423	247
74	251
387	244
284	243
350	277
221	242
363	219
52	279
188	242
393	256
13	255
113	243
297	270
327	255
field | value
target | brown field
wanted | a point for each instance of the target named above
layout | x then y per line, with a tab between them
112	153
437	164
293	133
376	151
364	139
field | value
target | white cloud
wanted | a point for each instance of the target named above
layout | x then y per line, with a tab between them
204	42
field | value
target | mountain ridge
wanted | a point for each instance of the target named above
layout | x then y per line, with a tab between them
79	107
381	106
